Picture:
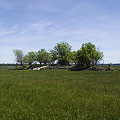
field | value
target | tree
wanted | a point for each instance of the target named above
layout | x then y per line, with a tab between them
25	59
53	56
73	57
88	56
19	56
46	58
30	57
63	50
43	56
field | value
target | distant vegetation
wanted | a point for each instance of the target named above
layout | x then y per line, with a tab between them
61	54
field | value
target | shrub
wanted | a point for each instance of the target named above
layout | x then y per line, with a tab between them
17	66
24	67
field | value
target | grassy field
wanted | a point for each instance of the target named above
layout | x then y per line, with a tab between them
59	95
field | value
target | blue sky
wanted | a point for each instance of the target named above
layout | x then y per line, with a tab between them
31	25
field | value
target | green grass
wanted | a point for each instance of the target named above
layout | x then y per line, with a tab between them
59	95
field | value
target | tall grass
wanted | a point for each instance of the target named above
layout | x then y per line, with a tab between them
59	95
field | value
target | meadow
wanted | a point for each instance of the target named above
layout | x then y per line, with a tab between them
59	95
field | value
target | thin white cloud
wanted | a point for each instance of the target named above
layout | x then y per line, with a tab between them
36	27
7	30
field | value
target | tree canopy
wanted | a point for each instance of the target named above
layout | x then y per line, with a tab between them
87	56
63	50
19	56
53	56
30	57
43	56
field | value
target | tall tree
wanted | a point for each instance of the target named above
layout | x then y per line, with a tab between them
19	56
43	56
63	50
88	56
53	56
25	59
46	58
30	58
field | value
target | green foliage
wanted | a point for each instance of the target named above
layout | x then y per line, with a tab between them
25	59
73	57
47	67
53	56
24	67
59	95
17	66
88	55
19	56
109	67
43	56
46	58
63	50
30	57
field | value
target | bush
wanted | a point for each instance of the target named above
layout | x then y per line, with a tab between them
24	67
109	67
17	66
47	67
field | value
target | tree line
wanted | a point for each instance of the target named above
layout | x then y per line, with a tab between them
62	54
